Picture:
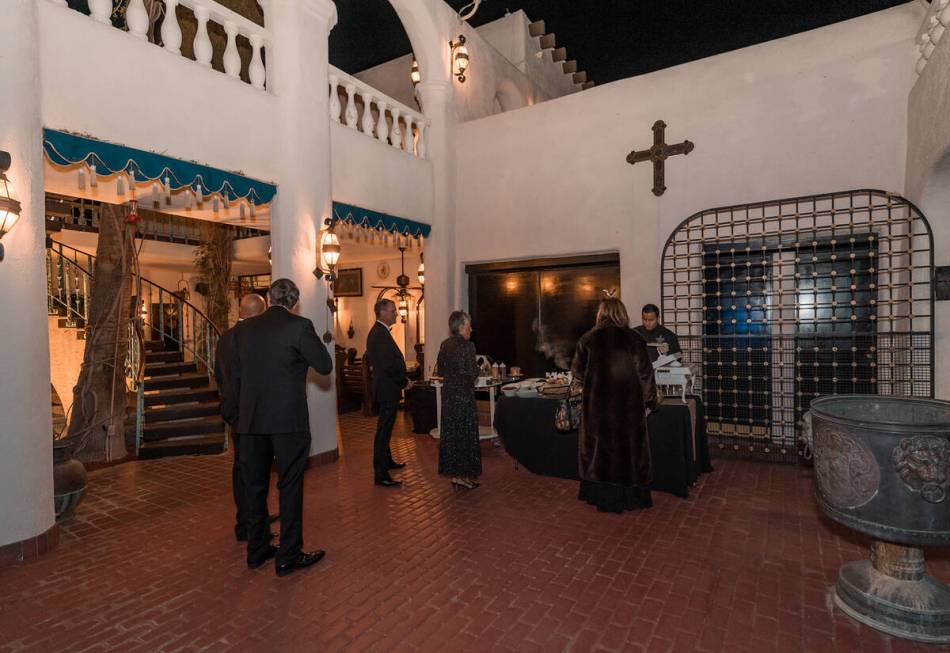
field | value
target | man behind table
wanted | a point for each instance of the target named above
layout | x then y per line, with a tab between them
654	333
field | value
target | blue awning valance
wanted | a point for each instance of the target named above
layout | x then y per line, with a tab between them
349	214
63	148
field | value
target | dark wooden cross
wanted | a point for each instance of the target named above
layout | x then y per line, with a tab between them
658	154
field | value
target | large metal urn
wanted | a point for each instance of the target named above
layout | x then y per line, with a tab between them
882	467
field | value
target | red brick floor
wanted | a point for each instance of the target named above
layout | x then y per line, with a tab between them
149	563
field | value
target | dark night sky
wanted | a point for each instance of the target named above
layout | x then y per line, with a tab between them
610	39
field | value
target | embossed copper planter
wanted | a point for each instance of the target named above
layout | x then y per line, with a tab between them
882	467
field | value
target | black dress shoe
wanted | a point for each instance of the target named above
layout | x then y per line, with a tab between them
300	561
395	465
385	481
254	564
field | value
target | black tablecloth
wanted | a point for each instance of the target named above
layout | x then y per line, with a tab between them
420	402
526	428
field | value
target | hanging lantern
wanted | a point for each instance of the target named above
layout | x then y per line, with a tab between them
421	272
403	306
167	189
133	216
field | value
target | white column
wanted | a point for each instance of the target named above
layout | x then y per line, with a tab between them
437	98
26	445
298	76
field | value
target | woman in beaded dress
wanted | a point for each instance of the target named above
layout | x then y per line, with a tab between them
460	455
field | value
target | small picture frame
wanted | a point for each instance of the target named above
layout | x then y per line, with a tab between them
349	283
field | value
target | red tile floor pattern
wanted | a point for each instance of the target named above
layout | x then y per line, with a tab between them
149	563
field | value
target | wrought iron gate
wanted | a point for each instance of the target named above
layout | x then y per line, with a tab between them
776	303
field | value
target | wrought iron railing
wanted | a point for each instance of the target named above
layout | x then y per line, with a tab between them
158	314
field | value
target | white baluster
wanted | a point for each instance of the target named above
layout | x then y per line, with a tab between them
410	136
395	134
367	124
101	11
421	143
351	112
202	40
334	98
136	19
255	71
382	129
171	32
232	60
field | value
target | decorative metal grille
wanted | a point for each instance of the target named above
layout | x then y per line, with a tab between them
779	302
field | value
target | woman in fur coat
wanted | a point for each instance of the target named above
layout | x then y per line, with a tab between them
613	371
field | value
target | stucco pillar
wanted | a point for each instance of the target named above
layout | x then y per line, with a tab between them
442	277
297	74
26	445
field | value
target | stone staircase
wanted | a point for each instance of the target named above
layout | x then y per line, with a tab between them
181	407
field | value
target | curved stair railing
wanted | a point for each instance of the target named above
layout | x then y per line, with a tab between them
159	315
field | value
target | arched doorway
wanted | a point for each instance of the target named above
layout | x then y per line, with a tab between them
778	302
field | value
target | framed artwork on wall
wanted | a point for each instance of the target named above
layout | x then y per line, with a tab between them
349	283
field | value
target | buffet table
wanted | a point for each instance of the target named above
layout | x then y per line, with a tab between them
526	428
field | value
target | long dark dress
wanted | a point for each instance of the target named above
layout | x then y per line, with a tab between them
459	451
613	365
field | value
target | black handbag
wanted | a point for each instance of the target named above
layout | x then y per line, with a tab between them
568	416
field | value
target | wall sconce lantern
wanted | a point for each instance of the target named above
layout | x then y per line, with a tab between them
459	58
330	251
414	73
9	207
421	272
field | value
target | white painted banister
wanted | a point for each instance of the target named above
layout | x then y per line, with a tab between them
391	122
139	18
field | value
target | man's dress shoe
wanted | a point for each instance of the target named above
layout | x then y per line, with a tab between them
300	561
254	564
395	465
385	481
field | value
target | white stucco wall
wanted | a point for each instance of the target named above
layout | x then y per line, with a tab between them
375	176
815	112
928	179
26	445
504	61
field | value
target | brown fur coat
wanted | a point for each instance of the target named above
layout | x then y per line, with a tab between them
613	365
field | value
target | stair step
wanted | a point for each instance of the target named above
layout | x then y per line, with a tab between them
71	323
181	381
165	369
187	411
154	345
184	396
163	357
201	445
80	334
182	428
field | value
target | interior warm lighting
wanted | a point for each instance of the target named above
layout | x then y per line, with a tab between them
414	73
330	249
403	308
421	272
459	58
9	207
511	285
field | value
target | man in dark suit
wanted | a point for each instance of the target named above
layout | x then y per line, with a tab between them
269	370
389	379
251	305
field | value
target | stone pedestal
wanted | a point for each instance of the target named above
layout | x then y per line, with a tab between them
893	593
